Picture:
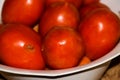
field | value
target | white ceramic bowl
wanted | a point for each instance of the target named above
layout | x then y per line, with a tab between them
91	71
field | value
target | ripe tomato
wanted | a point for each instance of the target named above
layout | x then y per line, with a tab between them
62	48
100	31
25	12
20	47
57	15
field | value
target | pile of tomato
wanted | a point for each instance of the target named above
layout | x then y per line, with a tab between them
56	34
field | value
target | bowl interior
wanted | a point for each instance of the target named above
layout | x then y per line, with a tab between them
115	7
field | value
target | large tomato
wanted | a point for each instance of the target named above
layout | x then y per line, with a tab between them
59	14
62	48
100	31
20	47
25	12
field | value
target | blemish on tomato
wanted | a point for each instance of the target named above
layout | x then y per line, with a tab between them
29	47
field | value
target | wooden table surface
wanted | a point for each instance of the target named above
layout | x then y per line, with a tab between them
113	71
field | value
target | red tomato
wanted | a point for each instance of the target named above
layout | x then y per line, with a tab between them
59	14
20	47
62	48
100	31
25	12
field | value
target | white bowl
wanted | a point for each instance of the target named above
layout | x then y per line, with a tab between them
91	71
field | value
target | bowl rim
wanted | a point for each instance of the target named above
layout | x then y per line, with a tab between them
53	73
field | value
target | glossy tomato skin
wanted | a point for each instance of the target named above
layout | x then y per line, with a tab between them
76	3
86	9
62	48
59	14
25	12
20	47
100	32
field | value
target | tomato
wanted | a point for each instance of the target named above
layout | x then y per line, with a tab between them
100	31
20	47
57	15
25	12
62	48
